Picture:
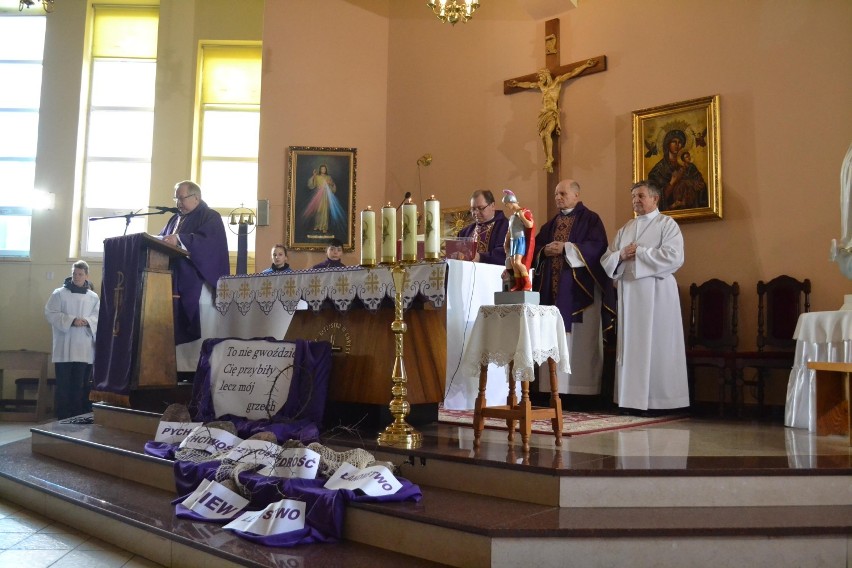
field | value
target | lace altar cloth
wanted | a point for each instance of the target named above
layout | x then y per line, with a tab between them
262	292
523	333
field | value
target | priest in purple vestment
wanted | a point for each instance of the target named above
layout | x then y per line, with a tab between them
199	230
489	228
569	276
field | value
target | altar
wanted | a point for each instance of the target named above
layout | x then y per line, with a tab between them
352	309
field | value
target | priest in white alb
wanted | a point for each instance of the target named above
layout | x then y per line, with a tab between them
650	364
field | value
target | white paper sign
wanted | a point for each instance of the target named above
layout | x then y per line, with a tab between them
295	462
210	440
174	432
284	516
258	452
214	501
375	480
250	378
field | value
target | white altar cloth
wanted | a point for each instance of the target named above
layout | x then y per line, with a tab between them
524	334
820	336
262	305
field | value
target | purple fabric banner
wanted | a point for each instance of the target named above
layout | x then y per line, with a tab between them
121	295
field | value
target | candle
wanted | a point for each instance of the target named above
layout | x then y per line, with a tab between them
432	240
368	237
409	231
388	234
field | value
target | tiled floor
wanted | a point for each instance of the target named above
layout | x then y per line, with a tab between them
32	541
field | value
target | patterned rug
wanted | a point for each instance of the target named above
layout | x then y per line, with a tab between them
573	423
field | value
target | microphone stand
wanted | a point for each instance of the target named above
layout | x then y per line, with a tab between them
127	217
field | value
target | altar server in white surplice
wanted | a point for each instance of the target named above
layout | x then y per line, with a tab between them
650	365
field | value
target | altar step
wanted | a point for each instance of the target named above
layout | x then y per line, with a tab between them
473	513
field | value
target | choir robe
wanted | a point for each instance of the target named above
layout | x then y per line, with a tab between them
490	249
202	234
650	365
584	295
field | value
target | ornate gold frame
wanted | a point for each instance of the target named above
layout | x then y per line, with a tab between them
697	121
342	165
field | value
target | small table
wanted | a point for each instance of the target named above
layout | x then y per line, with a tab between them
832	399
520	336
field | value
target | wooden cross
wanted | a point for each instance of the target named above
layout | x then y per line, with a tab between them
549	115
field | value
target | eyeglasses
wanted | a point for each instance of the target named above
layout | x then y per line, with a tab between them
176	198
482	208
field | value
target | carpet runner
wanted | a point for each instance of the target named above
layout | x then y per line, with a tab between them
573	423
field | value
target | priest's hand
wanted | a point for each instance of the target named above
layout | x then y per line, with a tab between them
555	248
171	239
628	252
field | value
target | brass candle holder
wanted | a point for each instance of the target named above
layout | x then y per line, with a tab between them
399	433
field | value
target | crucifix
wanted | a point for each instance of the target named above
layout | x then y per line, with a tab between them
549	80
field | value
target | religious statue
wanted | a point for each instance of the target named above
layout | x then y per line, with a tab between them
519	243
548	117
842	253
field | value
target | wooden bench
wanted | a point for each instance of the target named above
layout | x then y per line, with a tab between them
24	383
832	398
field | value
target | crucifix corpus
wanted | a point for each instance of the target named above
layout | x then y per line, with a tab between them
549	80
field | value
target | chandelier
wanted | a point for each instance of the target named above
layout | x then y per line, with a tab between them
47	5
452	11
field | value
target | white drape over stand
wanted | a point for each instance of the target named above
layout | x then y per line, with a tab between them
526	334
820	336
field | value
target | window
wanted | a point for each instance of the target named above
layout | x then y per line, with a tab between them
120	126
21	49
229	129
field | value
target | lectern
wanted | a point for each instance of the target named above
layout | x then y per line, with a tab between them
135	346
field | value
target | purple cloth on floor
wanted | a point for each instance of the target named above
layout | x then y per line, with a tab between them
325	508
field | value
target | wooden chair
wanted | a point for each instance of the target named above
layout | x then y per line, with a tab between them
780	302
712	340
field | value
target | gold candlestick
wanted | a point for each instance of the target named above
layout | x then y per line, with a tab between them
399	433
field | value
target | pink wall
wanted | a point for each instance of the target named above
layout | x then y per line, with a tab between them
403	84
324	84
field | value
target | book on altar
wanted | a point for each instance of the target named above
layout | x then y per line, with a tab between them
460	248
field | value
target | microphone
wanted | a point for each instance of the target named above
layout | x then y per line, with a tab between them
164	209
404	199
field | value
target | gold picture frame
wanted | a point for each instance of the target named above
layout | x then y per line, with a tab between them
321	207
676	147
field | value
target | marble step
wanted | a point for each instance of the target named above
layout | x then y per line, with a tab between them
540	478
446	528
141	519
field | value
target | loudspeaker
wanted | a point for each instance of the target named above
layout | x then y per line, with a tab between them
262	212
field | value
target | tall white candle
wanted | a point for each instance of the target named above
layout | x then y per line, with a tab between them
368	237
388	234
432	232
409	231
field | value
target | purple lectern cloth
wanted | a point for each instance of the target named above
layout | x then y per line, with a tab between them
115	358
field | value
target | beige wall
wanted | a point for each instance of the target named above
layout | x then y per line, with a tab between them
387	78
785	115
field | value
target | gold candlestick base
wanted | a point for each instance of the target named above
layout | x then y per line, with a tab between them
399	433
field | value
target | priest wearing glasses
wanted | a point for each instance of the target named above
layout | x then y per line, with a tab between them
488	229
200	231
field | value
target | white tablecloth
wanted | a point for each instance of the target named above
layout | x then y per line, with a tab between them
820	336
525	334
